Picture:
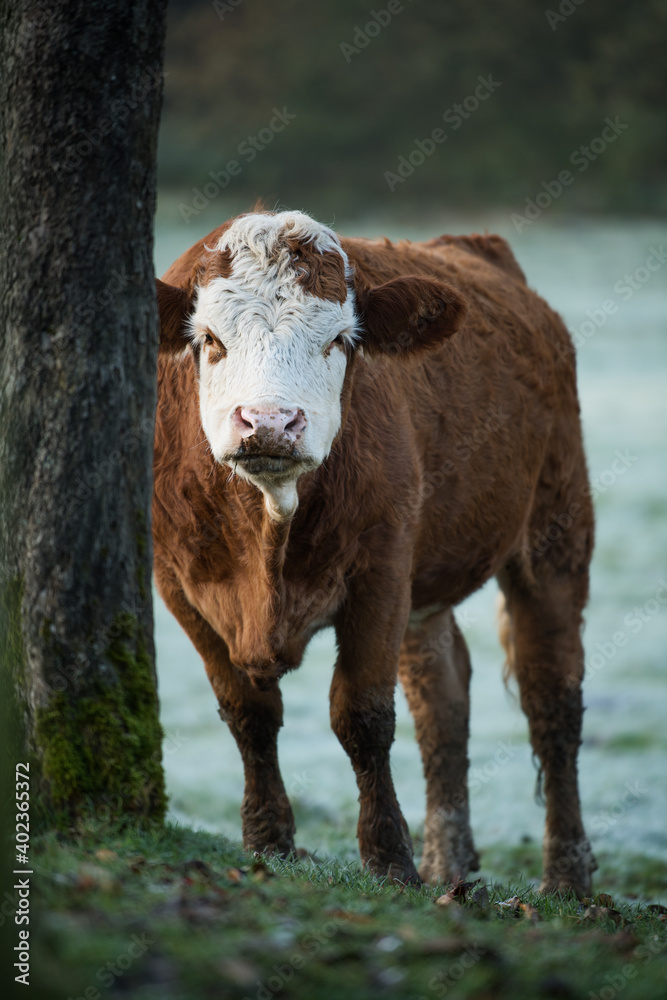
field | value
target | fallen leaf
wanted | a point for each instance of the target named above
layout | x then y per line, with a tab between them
92	877
602	913
104	854
511	904
461	889
459	893
235	875
259	871
529	912
603	899
407	932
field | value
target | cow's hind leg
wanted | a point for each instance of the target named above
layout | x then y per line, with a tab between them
254	718
541	633
435	673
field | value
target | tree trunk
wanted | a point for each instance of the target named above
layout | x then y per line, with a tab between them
82	89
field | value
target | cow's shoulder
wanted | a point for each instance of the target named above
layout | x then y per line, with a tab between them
490	247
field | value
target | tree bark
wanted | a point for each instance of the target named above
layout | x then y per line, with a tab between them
82	90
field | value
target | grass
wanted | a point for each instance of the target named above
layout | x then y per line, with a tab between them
176	914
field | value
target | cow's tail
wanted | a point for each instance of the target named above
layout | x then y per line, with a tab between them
506	634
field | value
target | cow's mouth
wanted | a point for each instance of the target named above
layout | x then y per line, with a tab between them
266	463
263	678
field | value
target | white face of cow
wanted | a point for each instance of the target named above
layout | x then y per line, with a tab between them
272	325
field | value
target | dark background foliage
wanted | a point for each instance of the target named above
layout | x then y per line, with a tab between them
563	69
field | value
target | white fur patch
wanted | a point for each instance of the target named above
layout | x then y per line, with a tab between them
278	340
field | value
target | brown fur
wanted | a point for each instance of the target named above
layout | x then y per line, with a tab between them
320	274
454	451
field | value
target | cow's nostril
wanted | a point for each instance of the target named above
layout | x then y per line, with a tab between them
296	423
245	419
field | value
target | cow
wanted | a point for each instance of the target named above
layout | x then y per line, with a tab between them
359	434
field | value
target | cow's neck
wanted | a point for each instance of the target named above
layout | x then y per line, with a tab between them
268	635
280	502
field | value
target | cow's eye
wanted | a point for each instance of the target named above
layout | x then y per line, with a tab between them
336	342
218	349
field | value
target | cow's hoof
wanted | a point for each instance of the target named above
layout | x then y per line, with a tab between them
569	868
406	876
281	847
396	871
438	867
564	885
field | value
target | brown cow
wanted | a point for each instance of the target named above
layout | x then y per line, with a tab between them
359	434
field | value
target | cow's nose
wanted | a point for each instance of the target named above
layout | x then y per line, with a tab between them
284	423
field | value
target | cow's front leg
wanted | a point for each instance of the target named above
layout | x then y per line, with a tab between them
363	719
254	718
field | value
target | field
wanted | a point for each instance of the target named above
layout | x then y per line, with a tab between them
179	915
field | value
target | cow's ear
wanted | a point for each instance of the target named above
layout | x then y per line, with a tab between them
174	307
408	315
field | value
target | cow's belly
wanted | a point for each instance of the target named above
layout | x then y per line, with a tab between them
446	573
